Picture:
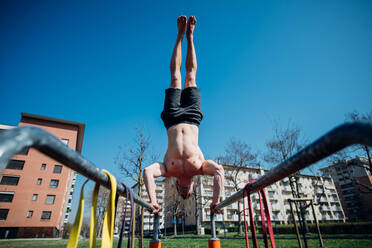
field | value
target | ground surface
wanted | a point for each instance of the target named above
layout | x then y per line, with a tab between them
192	241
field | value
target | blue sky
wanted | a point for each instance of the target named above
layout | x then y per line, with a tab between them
107	64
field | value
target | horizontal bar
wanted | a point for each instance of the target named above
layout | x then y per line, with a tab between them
14	140
335	140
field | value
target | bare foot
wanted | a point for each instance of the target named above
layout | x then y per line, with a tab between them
190	26
181	24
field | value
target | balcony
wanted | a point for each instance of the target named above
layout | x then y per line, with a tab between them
324	208
208	193
271	187
286	189
273	195
303	191
254	196
319	191
229	183
323	199
256	206
336	208
275	207
319	183
327	217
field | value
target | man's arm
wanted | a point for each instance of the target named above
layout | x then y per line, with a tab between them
149	174
211	168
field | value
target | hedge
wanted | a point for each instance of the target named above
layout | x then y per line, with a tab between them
325	228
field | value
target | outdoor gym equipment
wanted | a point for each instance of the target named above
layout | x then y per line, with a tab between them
15	140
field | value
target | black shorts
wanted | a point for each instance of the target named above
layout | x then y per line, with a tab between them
182	106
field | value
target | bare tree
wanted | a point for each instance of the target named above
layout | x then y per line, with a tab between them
239	155
85	227
174	208
103	196
356	116
67	229
131	162
356	150
284	144
200	203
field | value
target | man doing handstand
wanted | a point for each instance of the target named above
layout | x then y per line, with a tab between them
182	116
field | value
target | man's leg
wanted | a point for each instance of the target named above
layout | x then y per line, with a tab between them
191	56
176	60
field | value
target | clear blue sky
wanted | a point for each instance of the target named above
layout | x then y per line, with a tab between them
106	64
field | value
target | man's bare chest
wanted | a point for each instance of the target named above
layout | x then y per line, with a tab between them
183	167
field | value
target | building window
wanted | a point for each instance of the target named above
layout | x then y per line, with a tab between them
39	181
34	197
50	199
30	213
45	215
9	180
6	196
57	169
69	200
65	141
43	166
3	213
15	164
54	183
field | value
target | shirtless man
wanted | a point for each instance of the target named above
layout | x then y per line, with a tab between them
182	116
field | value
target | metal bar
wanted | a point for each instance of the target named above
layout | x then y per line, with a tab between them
12	141
335	140
213	226
156	227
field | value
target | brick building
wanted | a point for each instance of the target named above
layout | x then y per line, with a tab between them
35	190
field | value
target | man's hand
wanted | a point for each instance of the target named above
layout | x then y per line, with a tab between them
213	210
156	206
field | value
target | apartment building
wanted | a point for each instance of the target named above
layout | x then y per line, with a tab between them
35	190
353	182
175	210
160	196
321	189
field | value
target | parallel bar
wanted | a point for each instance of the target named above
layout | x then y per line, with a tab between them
12	141
156	228
335	140
213	226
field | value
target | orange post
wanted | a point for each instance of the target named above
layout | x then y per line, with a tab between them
155	244
214	243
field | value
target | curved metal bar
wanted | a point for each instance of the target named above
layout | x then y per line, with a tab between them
335	140
12	141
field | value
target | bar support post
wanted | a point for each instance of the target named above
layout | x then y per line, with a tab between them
213	242
156	242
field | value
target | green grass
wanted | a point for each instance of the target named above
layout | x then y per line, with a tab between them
192	241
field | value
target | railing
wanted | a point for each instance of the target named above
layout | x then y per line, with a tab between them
332	142
337	139
14	140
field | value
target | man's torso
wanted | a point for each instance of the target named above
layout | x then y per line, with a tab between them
183	157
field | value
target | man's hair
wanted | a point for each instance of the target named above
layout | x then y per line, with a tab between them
183	190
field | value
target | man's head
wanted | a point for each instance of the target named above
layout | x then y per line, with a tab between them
185	190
